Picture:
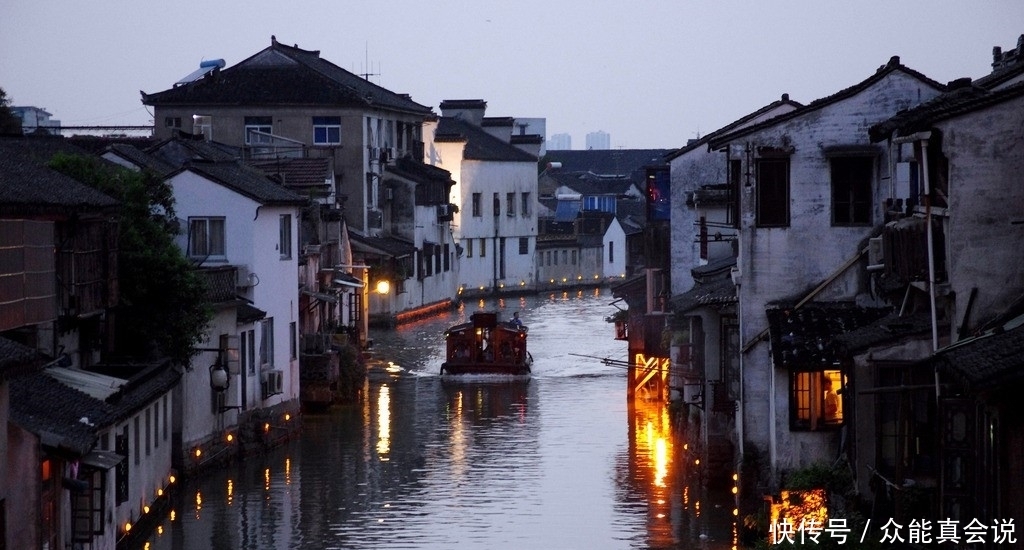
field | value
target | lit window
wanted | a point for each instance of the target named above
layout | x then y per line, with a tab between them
816	400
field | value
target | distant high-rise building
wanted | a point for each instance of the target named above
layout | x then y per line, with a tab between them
560	142
599	140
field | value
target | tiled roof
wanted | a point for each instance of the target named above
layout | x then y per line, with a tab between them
608	162
720	291
63	417
807	337
285	75
480	145
588	183
382	245
892	66
959	101
302	173
992	361
141	159
181	149
247	313
418	171
16	359
703	141
247	181
889	329
28	185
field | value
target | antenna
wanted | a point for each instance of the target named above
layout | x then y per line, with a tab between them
366	64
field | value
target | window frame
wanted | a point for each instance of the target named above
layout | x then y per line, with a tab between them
767	188
264	124
476	198
200	227
328	125
807	399
510	205
851	192
285	236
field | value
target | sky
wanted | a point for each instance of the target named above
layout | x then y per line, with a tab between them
651	73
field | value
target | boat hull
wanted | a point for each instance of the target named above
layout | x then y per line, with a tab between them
457	368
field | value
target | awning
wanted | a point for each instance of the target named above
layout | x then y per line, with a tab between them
101	460
248	314
330	298
344	279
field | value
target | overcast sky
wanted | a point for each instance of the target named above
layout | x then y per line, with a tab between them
651	73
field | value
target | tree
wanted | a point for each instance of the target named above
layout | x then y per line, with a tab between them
9	124
163	310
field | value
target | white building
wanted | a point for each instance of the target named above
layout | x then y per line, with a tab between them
559	142
234	216
495	191
810	193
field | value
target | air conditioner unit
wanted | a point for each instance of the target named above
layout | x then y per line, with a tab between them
876	254
272	383
243	277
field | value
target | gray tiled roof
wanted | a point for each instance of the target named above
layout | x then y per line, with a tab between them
480	145
884	71
991	361
16	358
141	159
806	337
957	102
283	75
27	184
63	417
720	291
382	245
247	181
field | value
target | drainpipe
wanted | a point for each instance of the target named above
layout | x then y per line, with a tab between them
931	254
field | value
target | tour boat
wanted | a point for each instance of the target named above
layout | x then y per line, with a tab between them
486	345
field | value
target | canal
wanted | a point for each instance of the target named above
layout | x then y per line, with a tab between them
561	460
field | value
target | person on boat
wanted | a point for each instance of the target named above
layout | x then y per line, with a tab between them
518	323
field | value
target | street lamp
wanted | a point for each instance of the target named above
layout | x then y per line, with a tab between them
383	286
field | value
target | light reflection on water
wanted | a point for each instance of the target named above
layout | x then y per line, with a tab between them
560	460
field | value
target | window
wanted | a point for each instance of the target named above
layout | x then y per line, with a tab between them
137	433
555	255
573	257
149	424
447	257
206	238
156	425
326	130
261	124
293	343
497	204
202	125
166	418
483	247
469	248
285	244
611	252
773	192
735	175
267	342
851	190
524	245
476	205
525	210
815	401
510	201
172	122
247	348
